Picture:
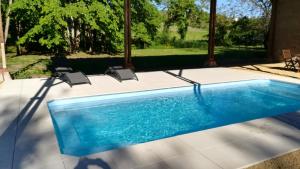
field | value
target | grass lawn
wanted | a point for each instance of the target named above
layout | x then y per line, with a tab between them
189	51
31	66
164	52
192	34
28	66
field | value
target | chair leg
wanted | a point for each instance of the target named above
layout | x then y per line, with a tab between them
294	66
290	65
286	65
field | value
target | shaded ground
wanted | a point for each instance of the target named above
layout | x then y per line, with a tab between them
166	62
144	60
287	161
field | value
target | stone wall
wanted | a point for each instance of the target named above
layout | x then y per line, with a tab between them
285	33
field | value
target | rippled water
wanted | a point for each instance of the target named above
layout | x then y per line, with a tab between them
94	124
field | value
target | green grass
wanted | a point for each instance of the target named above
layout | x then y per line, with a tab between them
164	52
195	38
192	34
28	66
196	34
189	51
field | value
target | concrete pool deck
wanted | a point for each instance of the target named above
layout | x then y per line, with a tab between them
27	138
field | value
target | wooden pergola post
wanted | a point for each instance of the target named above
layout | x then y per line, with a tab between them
212	28
2	45
272	31
127	34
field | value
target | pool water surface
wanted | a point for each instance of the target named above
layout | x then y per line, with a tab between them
99	123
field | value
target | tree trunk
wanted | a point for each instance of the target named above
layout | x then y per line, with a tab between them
7	21
76	35
2	45
18	29
83	34
68	34
71	34
91	41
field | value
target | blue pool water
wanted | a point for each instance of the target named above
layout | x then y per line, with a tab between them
94	124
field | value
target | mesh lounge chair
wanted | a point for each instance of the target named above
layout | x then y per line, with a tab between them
290	61
59	71
120	73
70	77
76	78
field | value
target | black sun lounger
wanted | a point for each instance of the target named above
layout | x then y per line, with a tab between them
120	73
76	78
72	78
59	71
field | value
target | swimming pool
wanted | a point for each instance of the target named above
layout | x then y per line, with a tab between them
99	123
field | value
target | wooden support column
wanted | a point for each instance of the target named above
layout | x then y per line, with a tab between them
272	31
2	45
127	34
211	62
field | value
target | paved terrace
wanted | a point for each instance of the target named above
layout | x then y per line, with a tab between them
27	139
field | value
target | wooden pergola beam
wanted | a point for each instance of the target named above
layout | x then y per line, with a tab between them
212	28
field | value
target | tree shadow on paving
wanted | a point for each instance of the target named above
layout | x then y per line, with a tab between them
252	149
292	119
14	131
160	63
281	68
255	68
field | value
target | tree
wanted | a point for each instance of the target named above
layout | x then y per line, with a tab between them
223	28
247	31
243	31
145	22
264	7
178	13
199	18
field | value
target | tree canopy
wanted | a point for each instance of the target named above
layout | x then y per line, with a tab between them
90	25
97	26
179	12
